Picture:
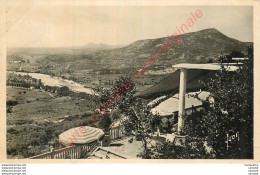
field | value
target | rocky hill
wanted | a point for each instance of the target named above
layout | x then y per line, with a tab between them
195	47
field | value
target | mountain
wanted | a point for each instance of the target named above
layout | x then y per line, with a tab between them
88	48
195	47
101	46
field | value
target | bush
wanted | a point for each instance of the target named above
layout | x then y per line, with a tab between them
11	103
12	131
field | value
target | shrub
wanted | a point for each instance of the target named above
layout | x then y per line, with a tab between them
11	103
12	131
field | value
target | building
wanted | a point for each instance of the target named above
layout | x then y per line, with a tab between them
186	79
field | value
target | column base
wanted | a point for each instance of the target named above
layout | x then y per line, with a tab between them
180	140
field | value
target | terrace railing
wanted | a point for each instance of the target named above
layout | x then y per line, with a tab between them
75	152
116	132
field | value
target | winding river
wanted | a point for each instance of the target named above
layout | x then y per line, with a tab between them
57	81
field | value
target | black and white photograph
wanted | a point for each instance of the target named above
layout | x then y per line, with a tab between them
129	82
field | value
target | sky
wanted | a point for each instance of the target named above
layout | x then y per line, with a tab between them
61	26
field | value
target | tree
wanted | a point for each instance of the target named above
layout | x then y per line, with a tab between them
231	112
104	123
63	91
122	104
128	97
141	123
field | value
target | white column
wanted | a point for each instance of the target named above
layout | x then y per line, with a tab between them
182	92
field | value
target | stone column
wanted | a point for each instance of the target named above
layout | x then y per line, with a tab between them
182	92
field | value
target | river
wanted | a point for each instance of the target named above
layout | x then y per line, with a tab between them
57	81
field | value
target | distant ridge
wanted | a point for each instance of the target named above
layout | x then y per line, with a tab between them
195	47
88	48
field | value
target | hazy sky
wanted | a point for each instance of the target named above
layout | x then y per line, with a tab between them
57	26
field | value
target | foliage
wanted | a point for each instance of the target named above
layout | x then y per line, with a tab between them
122	104
168	150
141	123
128	97
104	123
11	103
230	113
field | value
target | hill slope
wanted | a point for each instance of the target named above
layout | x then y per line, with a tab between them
195	47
